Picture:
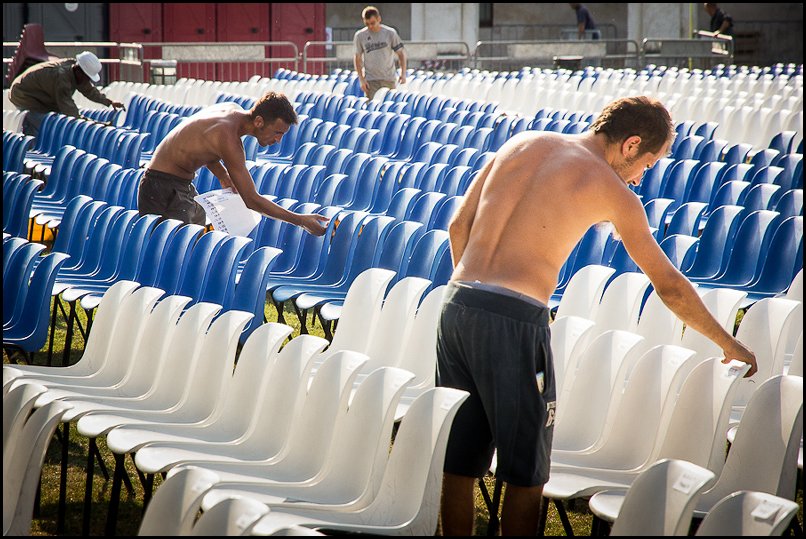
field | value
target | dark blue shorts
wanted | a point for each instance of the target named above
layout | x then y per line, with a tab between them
495	343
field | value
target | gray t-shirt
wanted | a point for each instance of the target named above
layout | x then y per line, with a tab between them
379	52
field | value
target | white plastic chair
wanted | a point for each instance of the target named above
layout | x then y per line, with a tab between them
232	516
303	454
176	502
351	472
133	314
408	500
658	324
599	370
21	475
96	350
662	498
584	292
17	405
762	458
635	412
568	339
747	513
145	353
795	291
361	309
621	303
723	304
246	387
272	417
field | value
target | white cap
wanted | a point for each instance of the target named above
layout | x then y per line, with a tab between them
90	64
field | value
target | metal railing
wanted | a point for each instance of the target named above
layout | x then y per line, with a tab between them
325	56
513	55
704	51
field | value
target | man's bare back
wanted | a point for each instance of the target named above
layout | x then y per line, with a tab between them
197	142
542	192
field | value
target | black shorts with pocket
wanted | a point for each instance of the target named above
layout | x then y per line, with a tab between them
495	343
170	196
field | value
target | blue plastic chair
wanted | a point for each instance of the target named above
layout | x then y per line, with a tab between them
704	182
790	203
425	255
715	243
792	175
686	219
423	207
431	177
783	260
401	202
167	275
729	193
760	196
657	211
250	292
748	250
195	271
452	179
398	245
652	179
23	199
764	157
30	331
17	268
711	150
783	142
677	180
443	214
736	153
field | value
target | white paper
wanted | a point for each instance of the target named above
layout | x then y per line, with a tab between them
227	212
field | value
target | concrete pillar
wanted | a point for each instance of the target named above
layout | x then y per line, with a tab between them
661	20
445	22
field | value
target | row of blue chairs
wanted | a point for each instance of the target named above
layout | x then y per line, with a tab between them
140	105
15	146
18	197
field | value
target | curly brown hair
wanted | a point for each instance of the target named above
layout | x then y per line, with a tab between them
274	105
642	116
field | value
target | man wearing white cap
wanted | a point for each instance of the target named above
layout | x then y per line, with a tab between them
49	87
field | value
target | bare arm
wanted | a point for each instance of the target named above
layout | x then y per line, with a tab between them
235	164
462	222
401	56
221	173
358	62
672	286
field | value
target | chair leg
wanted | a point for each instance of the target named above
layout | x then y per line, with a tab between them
569	531
68	339
52	332
492	507
278	306
90	471
541	523
62	511
114	495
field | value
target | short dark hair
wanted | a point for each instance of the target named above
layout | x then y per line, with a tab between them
370	11
274	105
643	116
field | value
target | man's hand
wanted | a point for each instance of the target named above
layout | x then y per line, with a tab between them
402	78
118	105
364	86
314	223
741	353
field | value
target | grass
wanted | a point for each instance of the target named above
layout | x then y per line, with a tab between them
131	505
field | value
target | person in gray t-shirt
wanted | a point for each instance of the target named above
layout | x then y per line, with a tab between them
375	49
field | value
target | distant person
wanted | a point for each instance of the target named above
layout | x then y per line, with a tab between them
520	219
49	87
584	21
375	50
721	22
212	139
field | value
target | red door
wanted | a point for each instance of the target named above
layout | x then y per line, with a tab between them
298	23
136	23
188	23
243	22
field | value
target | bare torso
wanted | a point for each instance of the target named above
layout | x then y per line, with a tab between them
542	194
197	142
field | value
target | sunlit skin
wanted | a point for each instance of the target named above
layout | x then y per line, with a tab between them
212	139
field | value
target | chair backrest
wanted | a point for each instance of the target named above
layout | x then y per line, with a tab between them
17	406
21	477
361	310
715	241
584	291
748	513
661	499
723	304
621	302
409	493
600	368
174	507
231	516
764	453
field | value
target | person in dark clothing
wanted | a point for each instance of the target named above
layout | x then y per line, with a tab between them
721	22
584	21
49	87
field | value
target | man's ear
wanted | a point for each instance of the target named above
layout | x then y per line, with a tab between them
259	122
631	146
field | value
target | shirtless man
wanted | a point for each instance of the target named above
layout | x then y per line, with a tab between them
519	222
207	139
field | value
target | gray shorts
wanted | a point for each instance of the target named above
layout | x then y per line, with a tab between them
495	343
375	85
170	196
